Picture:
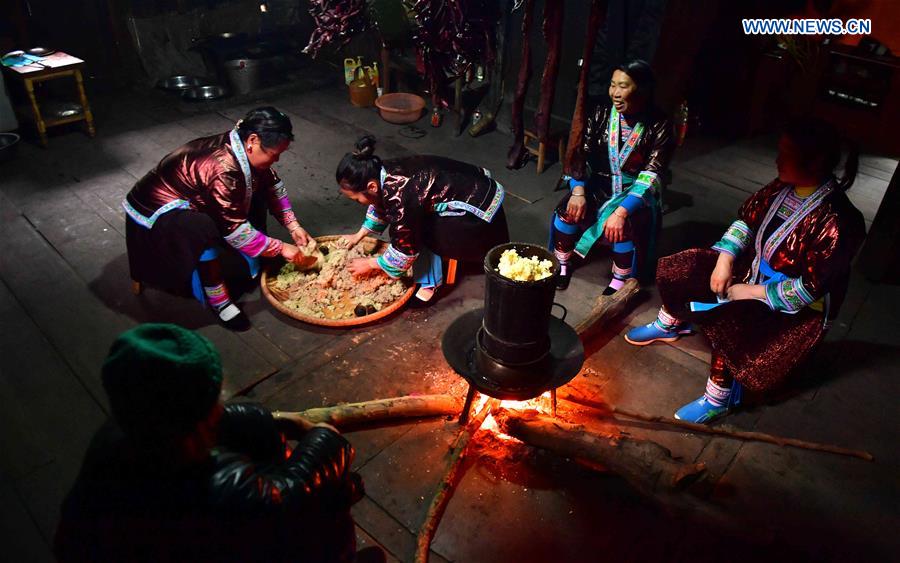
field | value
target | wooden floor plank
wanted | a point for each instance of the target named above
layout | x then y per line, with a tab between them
40	398
75	322
22	541
97	255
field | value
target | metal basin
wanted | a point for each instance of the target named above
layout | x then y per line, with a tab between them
179	83
61	110
201	93
41	51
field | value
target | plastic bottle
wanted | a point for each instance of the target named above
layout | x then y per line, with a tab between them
350	66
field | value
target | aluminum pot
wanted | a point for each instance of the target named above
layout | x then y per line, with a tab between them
243	74
203	93
179	83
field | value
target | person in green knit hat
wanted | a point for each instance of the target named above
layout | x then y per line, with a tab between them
175	474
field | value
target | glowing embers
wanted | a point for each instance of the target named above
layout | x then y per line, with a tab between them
542	404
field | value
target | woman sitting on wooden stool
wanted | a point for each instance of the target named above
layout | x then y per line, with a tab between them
211	189
789	251
436	207
627	147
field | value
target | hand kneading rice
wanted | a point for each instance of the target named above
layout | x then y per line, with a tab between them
519	268
331	291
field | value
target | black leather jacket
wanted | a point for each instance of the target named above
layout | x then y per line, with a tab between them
652	152
247	502
414	185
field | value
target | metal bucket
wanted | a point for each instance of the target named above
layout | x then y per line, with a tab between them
517	314
243	74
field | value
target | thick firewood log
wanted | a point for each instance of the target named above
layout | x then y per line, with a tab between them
645	464
380	411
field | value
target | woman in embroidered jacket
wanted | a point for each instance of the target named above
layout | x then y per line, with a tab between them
627	146
211	189
790	253
435	207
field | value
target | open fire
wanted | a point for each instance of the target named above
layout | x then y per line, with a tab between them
540	404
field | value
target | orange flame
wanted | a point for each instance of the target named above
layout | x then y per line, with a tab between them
540	404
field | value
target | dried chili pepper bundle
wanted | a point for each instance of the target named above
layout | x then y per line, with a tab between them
337	21
454	35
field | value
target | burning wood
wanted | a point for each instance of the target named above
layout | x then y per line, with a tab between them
645	464
381	411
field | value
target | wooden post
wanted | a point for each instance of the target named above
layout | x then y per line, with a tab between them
385	70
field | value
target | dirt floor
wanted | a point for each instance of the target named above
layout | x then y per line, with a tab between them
64	296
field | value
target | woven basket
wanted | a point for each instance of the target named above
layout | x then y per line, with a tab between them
338	323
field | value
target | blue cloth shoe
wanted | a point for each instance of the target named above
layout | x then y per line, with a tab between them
643	335
716	402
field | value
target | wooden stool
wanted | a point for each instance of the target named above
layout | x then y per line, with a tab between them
57	65
451	271
541	151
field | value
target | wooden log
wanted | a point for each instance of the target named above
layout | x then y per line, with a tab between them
745	435
645	464
372	413
607	411
607	307
448	482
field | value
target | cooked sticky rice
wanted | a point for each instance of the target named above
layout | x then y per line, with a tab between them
521	268
329	290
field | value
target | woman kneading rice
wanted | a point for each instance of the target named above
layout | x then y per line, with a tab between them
435	207
211	190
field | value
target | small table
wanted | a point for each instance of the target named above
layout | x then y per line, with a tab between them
57	65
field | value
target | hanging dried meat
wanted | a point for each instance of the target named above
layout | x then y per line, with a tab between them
574	161
337	21
516	157
552	30
453	35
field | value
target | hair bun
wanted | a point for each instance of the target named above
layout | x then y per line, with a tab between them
365	147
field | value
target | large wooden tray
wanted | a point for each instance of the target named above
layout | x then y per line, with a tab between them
338	323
